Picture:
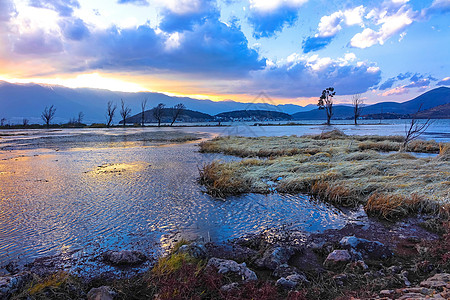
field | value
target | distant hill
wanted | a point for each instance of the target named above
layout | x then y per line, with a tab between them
438	112
253	115
18	101
186	115
430	99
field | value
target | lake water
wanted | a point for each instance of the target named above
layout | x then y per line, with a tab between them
82	190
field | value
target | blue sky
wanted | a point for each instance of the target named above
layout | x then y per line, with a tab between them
387	50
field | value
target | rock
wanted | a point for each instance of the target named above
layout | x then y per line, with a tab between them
437	281
411	296
226	266
337	258
194	249
286	283
404	276
274	257
284	270
387	293
369	249
229	287
124	257
395	269
299	278
9	284
101	293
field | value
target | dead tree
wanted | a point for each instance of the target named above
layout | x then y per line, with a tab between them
143	104
80	117
414	129
124	111
176	111
2	122
48	114
158	112
326	102
110	111
25	122
358	104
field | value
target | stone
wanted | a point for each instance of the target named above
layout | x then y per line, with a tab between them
286	283
298	278
124	257
337	258
387	293
194	249
411	296
395	269
101	293
284	270
224	266
439	280
404	276
9	284
372	250
229	287
274	257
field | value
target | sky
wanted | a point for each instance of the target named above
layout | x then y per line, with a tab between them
390	50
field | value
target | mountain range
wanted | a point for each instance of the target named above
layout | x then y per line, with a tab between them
19	101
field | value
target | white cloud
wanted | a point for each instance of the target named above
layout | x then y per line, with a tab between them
391	24
271	5
395	91
182	7
330	25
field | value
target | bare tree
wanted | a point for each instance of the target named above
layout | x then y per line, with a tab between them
124	111
358	104
414	129
143	104
25	121
326	102
176	111
110	111
48	114
158	112
80	117
2	122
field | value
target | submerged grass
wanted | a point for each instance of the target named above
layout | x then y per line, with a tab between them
336	168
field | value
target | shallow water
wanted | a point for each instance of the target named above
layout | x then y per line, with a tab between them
127	198
73	190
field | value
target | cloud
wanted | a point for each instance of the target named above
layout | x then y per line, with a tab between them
184	17
210	49
74	29
403	76
63	7
400	90
330	25
437	7
135	2
392	19
37	43
7	10
307	76
444	81
387	84
419	83
315	43
269	17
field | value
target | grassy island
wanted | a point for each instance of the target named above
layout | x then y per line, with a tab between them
341	169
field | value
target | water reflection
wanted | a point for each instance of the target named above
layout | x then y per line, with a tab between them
68	200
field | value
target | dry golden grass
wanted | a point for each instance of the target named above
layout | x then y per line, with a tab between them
339	171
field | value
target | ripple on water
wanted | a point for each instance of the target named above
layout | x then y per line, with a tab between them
62	201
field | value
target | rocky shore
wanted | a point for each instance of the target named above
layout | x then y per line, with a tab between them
360	261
